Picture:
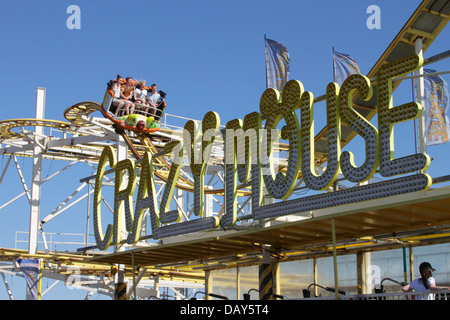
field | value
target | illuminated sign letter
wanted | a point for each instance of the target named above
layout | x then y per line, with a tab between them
199	160
274	110
103	240
364	128
388	116
123	197
326	179
166	215
146	199
241	159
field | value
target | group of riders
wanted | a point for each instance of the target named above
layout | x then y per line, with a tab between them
134	97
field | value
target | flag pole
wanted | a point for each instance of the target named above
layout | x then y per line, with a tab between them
265	51
334	68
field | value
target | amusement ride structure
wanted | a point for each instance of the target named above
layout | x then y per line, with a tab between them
182	264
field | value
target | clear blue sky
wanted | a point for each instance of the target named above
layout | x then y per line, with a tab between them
206	55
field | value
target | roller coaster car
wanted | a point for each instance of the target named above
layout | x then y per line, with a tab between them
138	121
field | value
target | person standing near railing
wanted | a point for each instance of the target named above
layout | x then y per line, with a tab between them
425	283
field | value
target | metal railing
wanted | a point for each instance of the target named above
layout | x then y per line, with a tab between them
442	295
53	242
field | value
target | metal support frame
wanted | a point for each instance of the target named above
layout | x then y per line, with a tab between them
22	179
420	98
8	289
121	285
36	176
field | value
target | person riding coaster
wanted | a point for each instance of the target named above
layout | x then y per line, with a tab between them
139	121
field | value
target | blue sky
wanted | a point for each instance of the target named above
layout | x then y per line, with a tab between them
206	55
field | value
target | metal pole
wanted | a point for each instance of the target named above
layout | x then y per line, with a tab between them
265	275
36	176
367	263
315	276
420	98
422	75
88	213
359	271
156	286
334	68
276	278
8	289
265	50
134	275
411	264
405	276
336	282
6	167
39	291
208	284
238	282
40	108
121	285
136	281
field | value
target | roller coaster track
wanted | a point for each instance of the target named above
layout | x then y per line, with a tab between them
78	115
74	114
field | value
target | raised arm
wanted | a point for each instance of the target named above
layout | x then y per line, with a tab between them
434	287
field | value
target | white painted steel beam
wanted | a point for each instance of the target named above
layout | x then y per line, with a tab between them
8	289
420	98
36	176
22	179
